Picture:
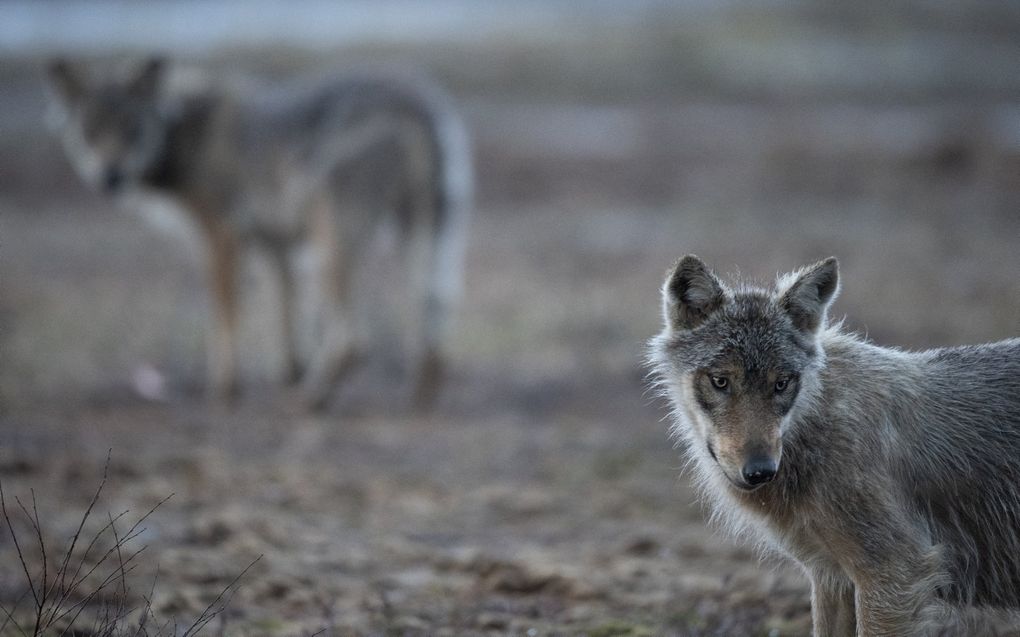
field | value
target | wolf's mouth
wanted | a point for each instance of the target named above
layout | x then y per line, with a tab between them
739	484
743	486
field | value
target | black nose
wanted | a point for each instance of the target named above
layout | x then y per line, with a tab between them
759	471
112	179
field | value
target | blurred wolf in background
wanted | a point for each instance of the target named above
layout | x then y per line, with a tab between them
316	163
892	478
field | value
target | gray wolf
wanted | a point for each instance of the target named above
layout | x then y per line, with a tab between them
891	477
316	163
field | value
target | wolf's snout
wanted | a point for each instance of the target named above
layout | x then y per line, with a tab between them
758	471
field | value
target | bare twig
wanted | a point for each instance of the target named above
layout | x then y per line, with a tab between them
147	608
78	578
17	545
33	520
9	615
84	519
209	614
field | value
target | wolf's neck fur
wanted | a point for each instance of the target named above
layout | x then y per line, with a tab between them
189	123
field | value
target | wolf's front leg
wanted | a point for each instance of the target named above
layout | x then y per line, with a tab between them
832	605
892	610
222	345
340	346
896	579
283	263
895	569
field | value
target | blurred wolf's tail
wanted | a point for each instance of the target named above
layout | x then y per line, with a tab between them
454	199
453	184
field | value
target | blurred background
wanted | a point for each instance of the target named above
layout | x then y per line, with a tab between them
542	497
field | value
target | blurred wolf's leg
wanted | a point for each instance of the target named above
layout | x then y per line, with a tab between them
284	266
340	347
222	340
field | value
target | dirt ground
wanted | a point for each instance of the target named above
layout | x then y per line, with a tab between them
543	495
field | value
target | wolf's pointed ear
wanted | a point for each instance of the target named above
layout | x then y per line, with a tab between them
808	297
149	77
691	294
65	79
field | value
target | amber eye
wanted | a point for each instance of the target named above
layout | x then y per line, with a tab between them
782	384
720	382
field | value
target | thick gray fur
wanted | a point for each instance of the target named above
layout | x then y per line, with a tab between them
898	483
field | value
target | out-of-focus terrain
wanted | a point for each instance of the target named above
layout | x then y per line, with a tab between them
543	494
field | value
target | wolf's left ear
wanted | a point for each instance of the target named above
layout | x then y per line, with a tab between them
691	294
65	80
809	296
147	82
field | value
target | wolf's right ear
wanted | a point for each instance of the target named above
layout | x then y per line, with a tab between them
65	80
691	294
808	297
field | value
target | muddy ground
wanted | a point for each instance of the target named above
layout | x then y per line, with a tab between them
543	495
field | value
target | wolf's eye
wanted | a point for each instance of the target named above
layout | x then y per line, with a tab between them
720	382
782	384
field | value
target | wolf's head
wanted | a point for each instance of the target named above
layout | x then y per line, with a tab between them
737	363
112	129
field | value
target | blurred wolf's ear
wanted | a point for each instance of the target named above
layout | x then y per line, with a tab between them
809	295
150	75
65	79
691	294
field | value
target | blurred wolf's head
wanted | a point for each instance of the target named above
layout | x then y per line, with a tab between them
112	127
737	363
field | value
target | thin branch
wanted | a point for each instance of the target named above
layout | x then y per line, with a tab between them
80	605
17	545
208	616
84	519
147	609
84	556
33	520
42	545
67	591
131	534
122	598
9	615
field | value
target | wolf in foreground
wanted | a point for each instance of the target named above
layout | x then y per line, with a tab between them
891	477
314	164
